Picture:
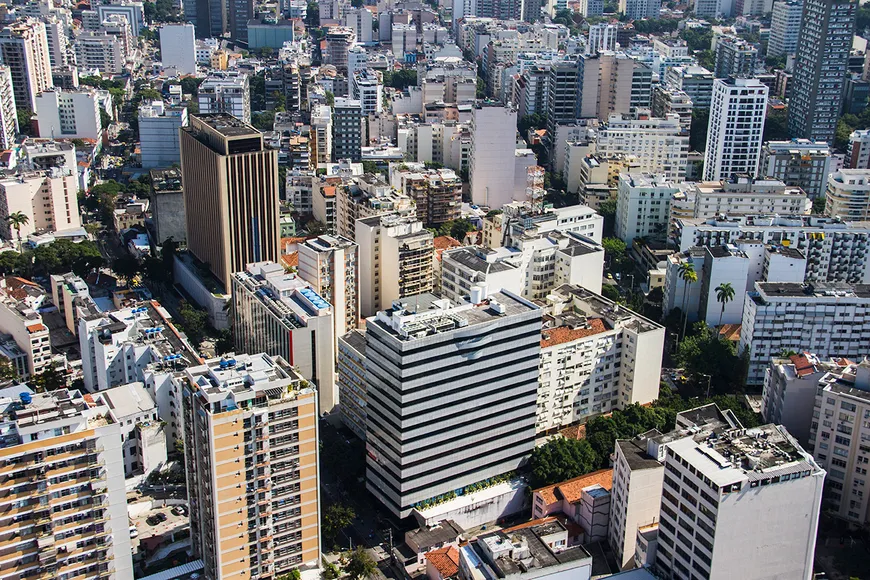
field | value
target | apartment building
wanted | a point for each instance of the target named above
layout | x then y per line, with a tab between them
520	220
737	502
493	153
250	431
69	114
643	206
367	88
282	315
230	194
352	387
20	301
666	100
799	162
436	193
178	48
839	437
596	356
531	269
330	265
24	49
858	152
48	198
368	195
71	296
695	81
225	92
8	114
744	195
737	112
734	58
100	50
822	318
640	9
660	146
347	130
321	135
785	25
395	260
479	399
848	194
63	452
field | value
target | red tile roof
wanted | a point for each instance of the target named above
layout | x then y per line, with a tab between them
563	334
571	489
445	560
730	332
445	243
802	365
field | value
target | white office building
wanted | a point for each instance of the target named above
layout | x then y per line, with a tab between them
643	206
178	48
159	135
493	147
737	113
64	114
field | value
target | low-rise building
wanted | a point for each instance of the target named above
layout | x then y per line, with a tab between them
167	205
20	302
584	501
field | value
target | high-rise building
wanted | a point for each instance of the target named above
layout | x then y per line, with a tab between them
667	100
239	12
230	194
798	162
737	113
823	46
474	375
250	431
210	17
602	36
658	145
321	135
280	314
63	451
437	193
848	194
8	114
493	147
858	153
226	92
24	49
100	50
73	114
785	25
734	58
695	81
591	8
347	130
330	265
640	9
49	198
178	48
351	370
643	206
160	135
366	87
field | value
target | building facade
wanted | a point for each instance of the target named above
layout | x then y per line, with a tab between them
737	114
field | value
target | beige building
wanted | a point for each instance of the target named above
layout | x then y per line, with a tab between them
744	195
24	49
49	199
366	196
250	432
437	193
848	194
329	264
20	301
230	194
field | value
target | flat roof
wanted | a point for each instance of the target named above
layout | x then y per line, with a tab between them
227	125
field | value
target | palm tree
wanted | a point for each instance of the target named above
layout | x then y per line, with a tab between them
16	220
724	295
688	276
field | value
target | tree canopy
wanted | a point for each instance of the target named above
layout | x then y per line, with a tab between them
456	229
400	79
336	518
702	352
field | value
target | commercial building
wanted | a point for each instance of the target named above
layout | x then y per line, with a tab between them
160	135
584	337
737	114
839	434
395	260
239	13
493	147
798	162
178	48
242	412
481	400
749	498
330	265
848	194
69	114
167	205
48	198
351	370
64	452
659	146
230	194
24	49
643	206
785	25
225	92
823	46
347	130
269	34
338	41
437	193
822	318
8	113
133	11
281	314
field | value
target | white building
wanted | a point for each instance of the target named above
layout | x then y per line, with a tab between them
395	260
737	113
366	88
20	301
493	146
101	51
858	153
749	499
24	49
640	9
583	339
321	135
790	387
643	206
48	198
848	194
799	162
660	146
178	48
785	24
825	319
226	92
64	114
360	21
602	36
281	314
159	135
8	113
744	195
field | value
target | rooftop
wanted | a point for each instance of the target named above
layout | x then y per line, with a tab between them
428	536
445	560
526	548
585	303
828	291
23	412
287	295
227	125
572	489
635	452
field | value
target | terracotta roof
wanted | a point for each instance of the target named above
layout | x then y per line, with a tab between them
445	560
329	191
571	489
730	332
841	361
445	243
562	334
290	260
541	132
36	328
530	524
802	365
574	432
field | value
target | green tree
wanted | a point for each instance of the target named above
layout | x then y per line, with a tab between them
697	39
819	205
7	372
688	275
703	353
15	221
611	292
370	167
560	459
293	574
698	130
534	121
330	570
335	519
193	321
330	98
359	564
25	125
614	248
127	267
312	15
607	209
776	126
724	295
50	379
400	79
456	229
11	262
105	119
190	85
